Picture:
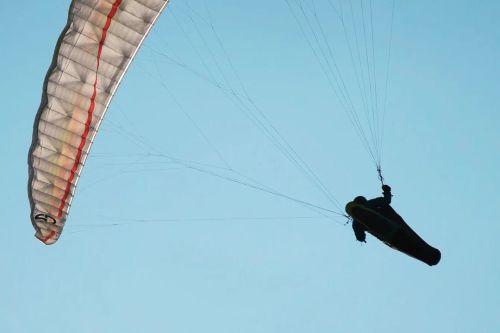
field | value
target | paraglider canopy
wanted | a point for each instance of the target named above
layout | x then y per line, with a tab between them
91	57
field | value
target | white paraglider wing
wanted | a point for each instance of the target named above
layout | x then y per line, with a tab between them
92	54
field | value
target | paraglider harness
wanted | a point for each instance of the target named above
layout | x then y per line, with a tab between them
377	217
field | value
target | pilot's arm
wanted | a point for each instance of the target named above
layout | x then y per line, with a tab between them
385	200
359	231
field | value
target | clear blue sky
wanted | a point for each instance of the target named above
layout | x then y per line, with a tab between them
156	246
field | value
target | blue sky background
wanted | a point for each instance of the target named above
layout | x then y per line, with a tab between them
156	246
